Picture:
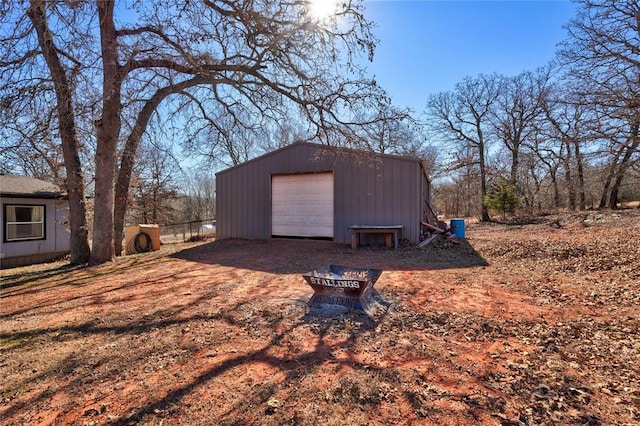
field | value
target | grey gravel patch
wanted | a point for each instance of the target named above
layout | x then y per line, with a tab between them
373	313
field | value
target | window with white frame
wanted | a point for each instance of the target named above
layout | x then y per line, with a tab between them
24	222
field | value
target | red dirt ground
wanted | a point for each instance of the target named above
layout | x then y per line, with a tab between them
530	323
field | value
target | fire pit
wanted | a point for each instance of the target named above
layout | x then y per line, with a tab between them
342	285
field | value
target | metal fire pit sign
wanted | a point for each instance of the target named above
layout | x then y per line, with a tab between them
342	285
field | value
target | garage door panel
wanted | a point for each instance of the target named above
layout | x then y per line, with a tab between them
302	205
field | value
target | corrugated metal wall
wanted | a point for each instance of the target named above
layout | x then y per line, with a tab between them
369	190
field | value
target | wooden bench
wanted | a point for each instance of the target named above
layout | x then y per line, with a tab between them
388	230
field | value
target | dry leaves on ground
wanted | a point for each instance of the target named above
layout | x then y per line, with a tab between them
522	324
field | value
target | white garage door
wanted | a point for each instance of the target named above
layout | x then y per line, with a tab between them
302	205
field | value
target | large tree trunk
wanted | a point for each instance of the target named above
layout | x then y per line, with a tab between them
613	197
514	173
120	208
580	169
617	168
103	249
630	149
483	185
571	189
80	252
607	184
123	182
556	191
107	132
127	161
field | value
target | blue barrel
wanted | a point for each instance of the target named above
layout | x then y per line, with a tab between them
457	227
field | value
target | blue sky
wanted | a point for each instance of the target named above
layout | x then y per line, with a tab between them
428	46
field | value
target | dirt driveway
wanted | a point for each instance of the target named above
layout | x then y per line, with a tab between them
533	323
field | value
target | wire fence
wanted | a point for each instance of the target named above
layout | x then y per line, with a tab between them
187	231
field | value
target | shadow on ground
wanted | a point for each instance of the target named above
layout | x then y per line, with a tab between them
297	257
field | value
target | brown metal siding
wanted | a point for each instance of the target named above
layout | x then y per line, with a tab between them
380	190
243	192
384	193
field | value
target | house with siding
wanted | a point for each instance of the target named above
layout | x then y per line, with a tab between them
34	221
308	190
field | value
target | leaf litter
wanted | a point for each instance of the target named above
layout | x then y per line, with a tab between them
520	324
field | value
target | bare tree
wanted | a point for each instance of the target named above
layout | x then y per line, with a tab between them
462	117
284	133
156	187
387	134
199	200
532	177
567	127
515	114
21	67
253	59
603	53
549	155
29	148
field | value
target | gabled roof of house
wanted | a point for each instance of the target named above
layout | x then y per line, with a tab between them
27	187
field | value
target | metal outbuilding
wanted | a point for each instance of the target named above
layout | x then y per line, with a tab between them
315	191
